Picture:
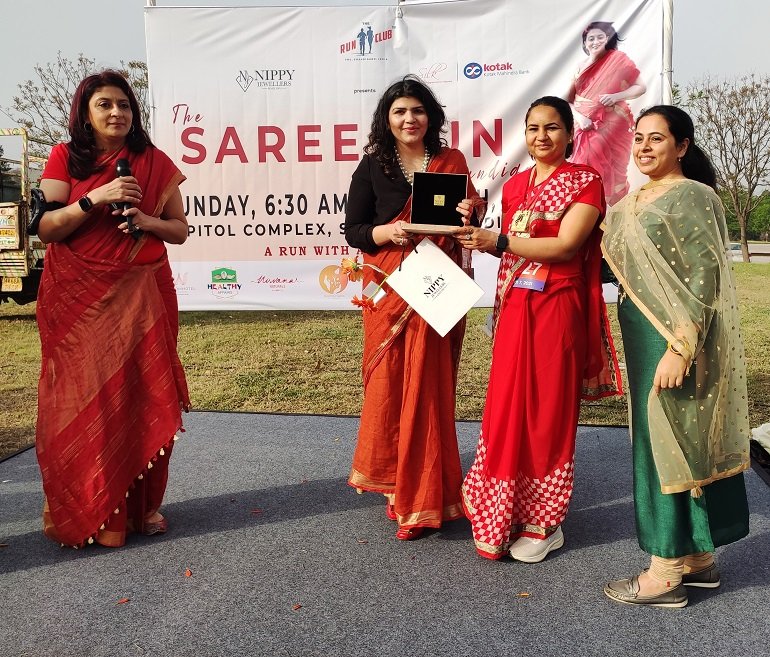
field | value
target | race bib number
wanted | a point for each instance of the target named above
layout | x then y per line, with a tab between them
533	277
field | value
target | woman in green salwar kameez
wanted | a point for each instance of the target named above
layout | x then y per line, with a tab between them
667	245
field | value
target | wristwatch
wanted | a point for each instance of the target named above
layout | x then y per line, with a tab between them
502	242
85	203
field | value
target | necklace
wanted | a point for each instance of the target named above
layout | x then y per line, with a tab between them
410	176
660	183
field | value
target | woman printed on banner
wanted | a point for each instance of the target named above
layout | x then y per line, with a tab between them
667	244
407	442
111	387
552	344
606	80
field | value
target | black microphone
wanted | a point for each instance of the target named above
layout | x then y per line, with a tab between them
122	168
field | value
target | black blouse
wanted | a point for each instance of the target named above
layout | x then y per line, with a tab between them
373	200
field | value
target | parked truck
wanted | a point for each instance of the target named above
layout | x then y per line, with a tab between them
21	255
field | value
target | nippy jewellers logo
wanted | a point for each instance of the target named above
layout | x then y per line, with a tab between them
361	46
435	286
265	78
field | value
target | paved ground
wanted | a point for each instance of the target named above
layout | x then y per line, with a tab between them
285	559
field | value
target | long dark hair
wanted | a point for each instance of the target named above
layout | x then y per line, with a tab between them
608	29
382	143
82	147
565	113
696	165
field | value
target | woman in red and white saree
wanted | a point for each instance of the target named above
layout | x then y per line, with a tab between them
111	387
552	344
407	441
605	123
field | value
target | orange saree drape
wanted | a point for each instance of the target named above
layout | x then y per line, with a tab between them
407	442
111	387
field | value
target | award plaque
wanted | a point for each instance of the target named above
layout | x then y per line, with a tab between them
434	202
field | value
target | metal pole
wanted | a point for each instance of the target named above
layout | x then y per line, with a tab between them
668	39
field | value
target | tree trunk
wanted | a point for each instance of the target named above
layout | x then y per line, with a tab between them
742	220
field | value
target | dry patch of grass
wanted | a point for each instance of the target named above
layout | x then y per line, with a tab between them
310	362
19	371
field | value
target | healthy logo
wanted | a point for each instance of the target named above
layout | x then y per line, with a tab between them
224	275
224	283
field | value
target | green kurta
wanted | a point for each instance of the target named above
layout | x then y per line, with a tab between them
676	524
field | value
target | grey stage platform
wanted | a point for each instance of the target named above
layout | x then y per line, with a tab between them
317	570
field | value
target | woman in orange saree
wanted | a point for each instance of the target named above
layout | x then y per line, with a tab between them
407	442
604	122
111	387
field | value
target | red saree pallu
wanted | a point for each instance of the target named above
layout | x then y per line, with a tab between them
550	349
407	442
607	146
111	388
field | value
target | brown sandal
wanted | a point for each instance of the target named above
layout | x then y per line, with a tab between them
152	528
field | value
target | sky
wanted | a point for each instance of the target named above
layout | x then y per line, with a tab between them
711	37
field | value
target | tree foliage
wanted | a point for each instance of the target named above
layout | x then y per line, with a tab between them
731	122
5	166
759	224
43	105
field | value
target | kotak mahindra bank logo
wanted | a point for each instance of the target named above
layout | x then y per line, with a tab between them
474	70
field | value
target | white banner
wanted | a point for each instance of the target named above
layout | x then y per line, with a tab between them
266	110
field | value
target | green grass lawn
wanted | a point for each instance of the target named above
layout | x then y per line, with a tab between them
310	362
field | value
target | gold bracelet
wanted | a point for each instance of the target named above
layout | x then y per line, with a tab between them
673	350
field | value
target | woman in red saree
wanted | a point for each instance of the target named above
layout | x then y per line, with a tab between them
605	123
111	387
407	442
552	344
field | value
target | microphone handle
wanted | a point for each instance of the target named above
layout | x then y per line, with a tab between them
135	232
123	169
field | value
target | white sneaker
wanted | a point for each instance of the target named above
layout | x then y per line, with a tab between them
534	550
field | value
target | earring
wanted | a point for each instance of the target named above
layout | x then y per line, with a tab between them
88	127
